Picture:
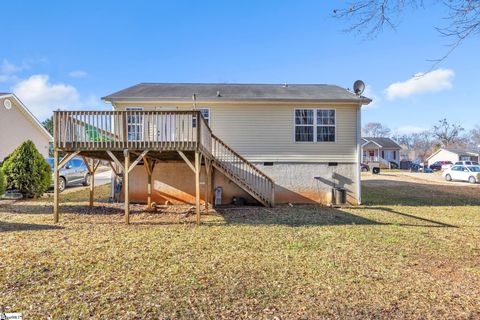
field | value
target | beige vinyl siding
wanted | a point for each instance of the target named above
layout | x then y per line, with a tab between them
443	155
16	128
266	131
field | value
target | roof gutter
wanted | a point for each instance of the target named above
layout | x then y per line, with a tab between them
361	101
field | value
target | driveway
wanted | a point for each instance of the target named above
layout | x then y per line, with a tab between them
406	176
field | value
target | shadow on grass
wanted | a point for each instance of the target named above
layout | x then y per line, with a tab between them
14	226
390	192
307	215
317	216
411	216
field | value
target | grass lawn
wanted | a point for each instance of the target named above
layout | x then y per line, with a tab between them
413	251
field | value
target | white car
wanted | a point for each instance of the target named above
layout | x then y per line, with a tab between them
466	163
462	173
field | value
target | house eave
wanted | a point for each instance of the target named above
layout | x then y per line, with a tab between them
233	100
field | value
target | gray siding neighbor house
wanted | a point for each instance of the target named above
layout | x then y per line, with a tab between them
380	149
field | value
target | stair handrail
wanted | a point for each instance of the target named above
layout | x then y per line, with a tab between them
214	137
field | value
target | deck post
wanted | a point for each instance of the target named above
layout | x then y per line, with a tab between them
207	183
197	186
149	166
92	182
55	186
126	186
212	185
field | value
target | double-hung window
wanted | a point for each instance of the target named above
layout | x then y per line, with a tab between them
315	125
206	115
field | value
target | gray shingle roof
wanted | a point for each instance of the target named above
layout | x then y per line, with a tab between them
462	151
386	143
235	92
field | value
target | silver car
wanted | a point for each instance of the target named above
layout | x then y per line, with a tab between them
74	172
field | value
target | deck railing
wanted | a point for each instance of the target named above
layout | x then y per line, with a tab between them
158	130
118	130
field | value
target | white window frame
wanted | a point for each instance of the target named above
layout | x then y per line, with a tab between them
315	125
140	124
209	113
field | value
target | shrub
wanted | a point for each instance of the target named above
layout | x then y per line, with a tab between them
27	171
2	182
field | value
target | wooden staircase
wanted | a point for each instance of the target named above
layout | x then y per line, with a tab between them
243	173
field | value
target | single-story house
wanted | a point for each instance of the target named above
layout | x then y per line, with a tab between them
453	155
17	125
380	149
182	143
304	137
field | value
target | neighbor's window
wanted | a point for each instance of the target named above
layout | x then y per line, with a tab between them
315	125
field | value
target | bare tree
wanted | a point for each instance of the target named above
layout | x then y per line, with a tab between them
419	144
375	129
447	133
370	17
473	137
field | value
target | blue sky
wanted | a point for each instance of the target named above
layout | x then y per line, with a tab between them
69	54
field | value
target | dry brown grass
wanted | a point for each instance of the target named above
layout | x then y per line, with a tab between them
403	255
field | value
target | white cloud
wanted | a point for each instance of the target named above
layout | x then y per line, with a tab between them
78	74
434	81
42	97
7	67
408	129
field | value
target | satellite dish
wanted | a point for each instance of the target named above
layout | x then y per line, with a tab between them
7	104
358	87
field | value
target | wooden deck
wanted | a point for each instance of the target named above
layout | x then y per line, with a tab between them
127	137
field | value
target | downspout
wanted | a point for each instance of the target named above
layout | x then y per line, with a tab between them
359	155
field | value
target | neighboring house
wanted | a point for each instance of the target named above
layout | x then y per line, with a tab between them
383	150
266	143
453	155
18	124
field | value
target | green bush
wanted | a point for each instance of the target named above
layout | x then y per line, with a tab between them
2	182
27	171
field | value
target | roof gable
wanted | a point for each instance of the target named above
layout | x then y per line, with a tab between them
385	143
27	113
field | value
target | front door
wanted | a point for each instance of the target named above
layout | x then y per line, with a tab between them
166	124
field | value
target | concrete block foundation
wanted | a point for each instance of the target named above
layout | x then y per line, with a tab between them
173	182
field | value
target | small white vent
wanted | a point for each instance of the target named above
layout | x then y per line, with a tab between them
7	104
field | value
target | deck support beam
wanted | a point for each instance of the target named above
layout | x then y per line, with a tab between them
126	153
91	170
55	186
112	156
149	166
67	158
197	185
140	157
184	157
